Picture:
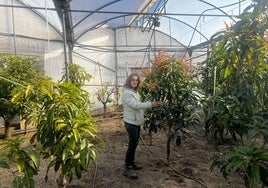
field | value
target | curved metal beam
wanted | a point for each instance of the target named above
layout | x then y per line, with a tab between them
105	21
40	15
87	58
98	25
214	7
187	25
108	4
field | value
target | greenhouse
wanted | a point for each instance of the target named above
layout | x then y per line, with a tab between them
110	39
205	61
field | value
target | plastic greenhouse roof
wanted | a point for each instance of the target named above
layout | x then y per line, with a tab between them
190	22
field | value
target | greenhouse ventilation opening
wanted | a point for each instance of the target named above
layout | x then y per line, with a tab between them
111	38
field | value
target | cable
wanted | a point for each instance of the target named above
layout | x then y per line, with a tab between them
174	169
218	8
177	171
95	175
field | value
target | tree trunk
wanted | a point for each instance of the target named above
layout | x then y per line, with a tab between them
7	130
169	138
104	110
151	138
61	181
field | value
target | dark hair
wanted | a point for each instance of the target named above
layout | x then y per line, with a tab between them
128	81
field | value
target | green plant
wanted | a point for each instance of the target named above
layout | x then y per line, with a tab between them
14	71
26	159
238	62
65	129
225	117
77	75
258	132
170	81
104	96
249	160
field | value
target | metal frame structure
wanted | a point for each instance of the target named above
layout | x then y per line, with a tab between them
144	16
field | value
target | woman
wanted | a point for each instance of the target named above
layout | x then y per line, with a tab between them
133	118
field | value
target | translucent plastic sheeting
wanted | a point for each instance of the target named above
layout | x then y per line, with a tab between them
111	38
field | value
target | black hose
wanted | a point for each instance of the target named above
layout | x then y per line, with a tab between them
174	169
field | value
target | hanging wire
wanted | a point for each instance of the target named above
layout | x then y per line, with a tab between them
143	59
125	31
148	48
13	25
95	175
169	28
48	39
100	74
202	14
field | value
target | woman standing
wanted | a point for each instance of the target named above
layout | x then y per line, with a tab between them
133	118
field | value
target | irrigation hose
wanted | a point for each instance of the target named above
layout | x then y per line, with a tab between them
174	169
95	175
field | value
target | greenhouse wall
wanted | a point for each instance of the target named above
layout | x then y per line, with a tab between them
110	55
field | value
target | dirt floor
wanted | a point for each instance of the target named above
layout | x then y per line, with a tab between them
188	168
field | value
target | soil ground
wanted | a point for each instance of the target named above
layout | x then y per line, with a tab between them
189	163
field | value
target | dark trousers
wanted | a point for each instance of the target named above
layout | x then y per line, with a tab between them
133	135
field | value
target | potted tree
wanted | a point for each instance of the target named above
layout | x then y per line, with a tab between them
65	130
14	71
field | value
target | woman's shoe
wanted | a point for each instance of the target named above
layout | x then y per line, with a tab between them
136	166
130	174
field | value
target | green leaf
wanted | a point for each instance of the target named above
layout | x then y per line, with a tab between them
78	171
21	164
76	135
28	181
4	164
234	165
60	125
57	166
254	174
84	158
17	96
28	91
64	155
50	116
17	182
33	155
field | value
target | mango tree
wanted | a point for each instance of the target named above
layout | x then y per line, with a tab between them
239	105
64	126
77	75
26	158
14	71
171	81
239	63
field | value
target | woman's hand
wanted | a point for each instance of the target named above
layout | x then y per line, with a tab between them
156	103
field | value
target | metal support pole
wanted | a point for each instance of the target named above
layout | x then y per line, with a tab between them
65	46
214	82
116	68
14	31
